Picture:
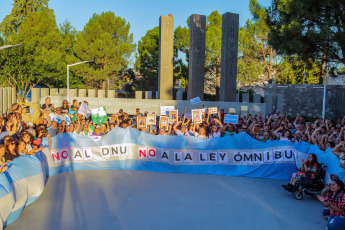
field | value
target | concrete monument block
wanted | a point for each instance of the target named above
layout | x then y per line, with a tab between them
1	102
4	100
157	94
9	98
101	94
36	97
228	73
245	97
179	95
14	95
72	94
280	102
54	91
148	94
91	93
166	55
138	94
81	92
63	92
44	92
269	103
197	56
111	94
257	98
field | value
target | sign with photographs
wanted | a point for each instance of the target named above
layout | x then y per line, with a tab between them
173	115
213	110
164	123
141	122
151	119
197	115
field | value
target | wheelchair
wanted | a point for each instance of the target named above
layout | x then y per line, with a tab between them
310	186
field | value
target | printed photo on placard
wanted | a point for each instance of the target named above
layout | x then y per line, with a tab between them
164	122
197	115
203	110
173	115
141	122
151	119
213	110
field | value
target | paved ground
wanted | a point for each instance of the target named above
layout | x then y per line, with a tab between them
109	199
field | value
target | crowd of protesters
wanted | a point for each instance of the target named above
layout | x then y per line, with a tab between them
19	136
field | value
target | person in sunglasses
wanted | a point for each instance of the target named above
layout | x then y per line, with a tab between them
11	151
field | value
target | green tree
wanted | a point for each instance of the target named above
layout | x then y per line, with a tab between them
293	69
69	39
309	29
147	62
106	40
213	47
20	10
41	58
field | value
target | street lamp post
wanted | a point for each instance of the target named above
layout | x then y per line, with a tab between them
324	94
82	62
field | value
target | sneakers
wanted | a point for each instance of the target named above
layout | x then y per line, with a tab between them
288	187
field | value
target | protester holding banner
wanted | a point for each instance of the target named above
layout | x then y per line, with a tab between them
309	169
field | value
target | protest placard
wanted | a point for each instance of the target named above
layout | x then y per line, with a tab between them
230	119
213	110
151	119
232	111
244	108
99	115
164	123
188	115
173	115
197	115
164	109
195	100
141	122
84	110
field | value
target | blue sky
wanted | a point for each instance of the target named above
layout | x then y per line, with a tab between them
142	15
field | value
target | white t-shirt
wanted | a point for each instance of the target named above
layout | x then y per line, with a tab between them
180	133
213	135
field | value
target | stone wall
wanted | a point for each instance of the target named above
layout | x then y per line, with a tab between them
306	100
113	105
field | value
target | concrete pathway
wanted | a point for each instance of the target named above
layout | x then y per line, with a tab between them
110	199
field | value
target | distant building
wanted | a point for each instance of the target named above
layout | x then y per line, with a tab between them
336	80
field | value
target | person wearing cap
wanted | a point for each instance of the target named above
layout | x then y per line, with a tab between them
98	131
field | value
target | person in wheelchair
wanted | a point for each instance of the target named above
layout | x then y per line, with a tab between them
307	175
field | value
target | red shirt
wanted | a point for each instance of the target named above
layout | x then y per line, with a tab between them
338	201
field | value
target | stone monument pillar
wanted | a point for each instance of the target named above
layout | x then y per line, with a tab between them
166	55
228	72
196	56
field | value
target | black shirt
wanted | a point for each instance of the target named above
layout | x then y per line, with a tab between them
10	157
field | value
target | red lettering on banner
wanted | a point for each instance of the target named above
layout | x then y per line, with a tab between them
64	154
142	152
152	152
56	156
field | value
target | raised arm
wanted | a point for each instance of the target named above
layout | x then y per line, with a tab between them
337	149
